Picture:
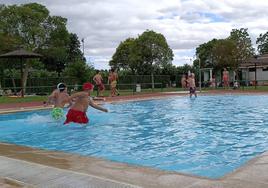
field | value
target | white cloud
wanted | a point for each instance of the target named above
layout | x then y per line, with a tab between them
184	23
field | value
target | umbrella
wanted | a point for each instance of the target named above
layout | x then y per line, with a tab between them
21	54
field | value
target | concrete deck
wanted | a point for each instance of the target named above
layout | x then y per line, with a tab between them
41	168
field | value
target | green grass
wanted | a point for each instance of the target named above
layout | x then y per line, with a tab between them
8	100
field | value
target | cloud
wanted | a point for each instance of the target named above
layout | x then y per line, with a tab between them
185	23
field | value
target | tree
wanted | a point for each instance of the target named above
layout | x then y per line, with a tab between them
244	48
229	52
80	71
154	49
143	55
31	26
224	52
204	53
127	56
73	49
262	42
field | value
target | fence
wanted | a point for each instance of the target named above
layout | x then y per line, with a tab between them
46	85
236	84
125	89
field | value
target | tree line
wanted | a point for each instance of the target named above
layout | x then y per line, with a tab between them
231	51
30	26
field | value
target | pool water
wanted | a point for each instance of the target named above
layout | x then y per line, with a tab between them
207	136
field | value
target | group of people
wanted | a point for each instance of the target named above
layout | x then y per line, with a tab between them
112	81
77	103
188	82
225	79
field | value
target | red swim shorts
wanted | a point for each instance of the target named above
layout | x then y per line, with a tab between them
76	117
101	86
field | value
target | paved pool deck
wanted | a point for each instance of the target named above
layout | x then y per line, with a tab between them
30	167
22	166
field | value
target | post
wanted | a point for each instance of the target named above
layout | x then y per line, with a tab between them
256	58
152	77
255	76
199	74
21	76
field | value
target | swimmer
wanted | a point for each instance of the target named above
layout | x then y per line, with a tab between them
192	88
77	112
59	98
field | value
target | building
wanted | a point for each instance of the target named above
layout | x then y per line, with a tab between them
255	68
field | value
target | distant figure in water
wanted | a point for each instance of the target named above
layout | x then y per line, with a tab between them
191	82
99	82
59	98
77	112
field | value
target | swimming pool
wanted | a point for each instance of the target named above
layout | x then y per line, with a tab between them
208	136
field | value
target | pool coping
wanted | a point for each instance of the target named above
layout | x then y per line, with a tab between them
253	174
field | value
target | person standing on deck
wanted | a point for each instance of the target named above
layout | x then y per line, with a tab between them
99	83
113	77
225	78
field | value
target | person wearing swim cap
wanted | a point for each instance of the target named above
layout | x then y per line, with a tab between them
77	112
59	98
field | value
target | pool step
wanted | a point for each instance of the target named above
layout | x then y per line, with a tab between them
44	176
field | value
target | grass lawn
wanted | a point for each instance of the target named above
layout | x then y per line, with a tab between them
8	100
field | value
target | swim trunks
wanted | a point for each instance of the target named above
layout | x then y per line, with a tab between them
113	84
101	86
57	113
192	90
76	117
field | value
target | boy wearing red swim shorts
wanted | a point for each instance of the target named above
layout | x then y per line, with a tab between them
98	81
77	112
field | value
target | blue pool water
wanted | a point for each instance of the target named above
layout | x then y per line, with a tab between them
209	136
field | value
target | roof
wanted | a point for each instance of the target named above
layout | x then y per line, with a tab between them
260	61
20	54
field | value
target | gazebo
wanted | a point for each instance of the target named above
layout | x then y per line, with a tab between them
21	54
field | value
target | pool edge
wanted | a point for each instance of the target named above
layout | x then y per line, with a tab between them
254	172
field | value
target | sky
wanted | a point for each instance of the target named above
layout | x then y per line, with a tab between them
185	23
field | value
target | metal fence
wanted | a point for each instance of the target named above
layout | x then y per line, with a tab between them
122	88
47	84
236	84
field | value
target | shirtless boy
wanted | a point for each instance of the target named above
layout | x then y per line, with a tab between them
113	77
59	98
191	83
99	82
77	112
